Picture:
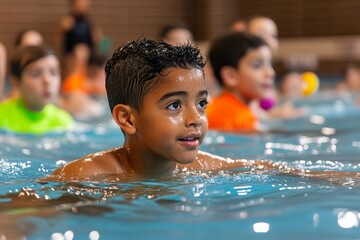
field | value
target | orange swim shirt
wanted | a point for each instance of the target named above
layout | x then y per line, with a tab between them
78	82
74	82
228	113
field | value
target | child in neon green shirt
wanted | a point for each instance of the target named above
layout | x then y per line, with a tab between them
36	69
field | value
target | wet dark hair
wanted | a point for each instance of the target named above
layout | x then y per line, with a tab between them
24	56
229	49
137	67
169	27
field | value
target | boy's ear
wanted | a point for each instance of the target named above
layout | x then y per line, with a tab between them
124	117
229	76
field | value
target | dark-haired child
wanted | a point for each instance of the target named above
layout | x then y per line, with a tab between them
157	96
242	65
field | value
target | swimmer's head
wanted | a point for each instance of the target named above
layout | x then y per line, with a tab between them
229	49
291	85
238	26
137	67
36	70
80	6
176	34
29	37
26	55
265	28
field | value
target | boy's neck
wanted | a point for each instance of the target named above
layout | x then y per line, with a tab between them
237	95
145	165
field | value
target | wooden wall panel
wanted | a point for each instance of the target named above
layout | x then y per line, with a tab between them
121	20
128	19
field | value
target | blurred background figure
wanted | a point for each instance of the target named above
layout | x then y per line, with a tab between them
351	79
265	28
26	37
36	71
238	26
29	37
82	91
176	34
78	36
90	82
270	106
291	85
2	69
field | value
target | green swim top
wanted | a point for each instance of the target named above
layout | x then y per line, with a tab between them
15	117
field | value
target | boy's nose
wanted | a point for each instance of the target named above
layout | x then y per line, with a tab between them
193	118
270	71
46	79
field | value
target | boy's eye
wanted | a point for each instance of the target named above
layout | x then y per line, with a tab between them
257	64
174	106
35	73
203	103
54	72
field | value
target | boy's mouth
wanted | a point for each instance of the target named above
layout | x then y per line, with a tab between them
191	141
267	86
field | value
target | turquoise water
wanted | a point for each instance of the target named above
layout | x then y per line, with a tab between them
228	205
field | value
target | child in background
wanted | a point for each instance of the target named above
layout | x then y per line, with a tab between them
29	37
36	71
26	37
239	25
92	81
242	64
176	34
266	29
80	91
291	85
157	96
351	80
77	36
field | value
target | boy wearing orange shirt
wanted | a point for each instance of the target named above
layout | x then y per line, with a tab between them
242	64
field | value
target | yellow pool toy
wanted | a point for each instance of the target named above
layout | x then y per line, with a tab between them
310	83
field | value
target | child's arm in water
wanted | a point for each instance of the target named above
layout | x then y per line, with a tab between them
207	161
111	165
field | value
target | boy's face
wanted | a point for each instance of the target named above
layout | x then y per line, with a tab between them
39	83
172	122
255	74
267	30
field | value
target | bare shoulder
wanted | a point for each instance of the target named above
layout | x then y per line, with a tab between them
89	167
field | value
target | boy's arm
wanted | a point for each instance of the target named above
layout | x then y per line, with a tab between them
212	162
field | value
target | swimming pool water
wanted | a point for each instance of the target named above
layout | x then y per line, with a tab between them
228	205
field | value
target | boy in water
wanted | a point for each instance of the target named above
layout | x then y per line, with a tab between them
157	96
242	65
